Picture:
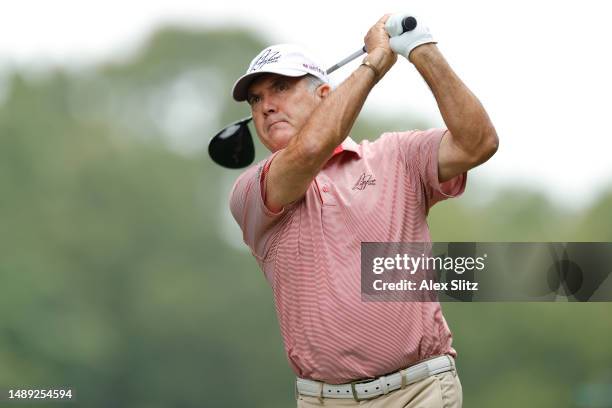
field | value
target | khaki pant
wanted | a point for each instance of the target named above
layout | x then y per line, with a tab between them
437	391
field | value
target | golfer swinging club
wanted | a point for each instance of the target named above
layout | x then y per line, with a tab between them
306	208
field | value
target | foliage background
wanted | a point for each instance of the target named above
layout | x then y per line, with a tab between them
123	276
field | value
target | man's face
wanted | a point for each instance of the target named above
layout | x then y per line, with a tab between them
280	106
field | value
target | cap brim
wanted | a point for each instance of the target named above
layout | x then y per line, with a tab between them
239	91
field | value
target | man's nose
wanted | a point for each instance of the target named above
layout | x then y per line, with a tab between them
269	105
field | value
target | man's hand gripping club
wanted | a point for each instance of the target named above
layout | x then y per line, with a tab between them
402	42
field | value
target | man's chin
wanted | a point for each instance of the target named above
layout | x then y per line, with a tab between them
281	136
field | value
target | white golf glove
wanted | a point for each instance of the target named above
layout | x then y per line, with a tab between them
403	44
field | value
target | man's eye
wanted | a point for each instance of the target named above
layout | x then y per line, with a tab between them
253	100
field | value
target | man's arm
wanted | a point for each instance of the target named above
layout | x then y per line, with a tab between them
471	139
295	166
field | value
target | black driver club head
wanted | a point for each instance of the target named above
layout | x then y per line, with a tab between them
233	146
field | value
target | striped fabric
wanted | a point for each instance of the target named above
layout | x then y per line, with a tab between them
310	254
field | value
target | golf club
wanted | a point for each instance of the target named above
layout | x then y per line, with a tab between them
232	147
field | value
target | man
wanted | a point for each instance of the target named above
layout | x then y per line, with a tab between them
305	210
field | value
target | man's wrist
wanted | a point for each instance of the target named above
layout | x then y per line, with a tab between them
380	58
423	53
370	67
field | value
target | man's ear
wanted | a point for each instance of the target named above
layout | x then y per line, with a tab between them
323	90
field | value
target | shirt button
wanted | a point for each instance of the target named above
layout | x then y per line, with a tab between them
325	189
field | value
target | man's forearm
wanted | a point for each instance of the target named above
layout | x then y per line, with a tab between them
333	119
462	112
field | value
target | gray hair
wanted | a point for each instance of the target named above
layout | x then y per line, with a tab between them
313	82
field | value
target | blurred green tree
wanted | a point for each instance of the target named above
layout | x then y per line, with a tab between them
123	275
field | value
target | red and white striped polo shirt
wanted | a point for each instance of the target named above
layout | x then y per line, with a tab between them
377	191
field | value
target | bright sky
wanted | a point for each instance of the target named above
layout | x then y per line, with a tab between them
541	68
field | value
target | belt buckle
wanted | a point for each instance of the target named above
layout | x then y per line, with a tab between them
354	391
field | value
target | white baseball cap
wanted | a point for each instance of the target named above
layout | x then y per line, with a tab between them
283	59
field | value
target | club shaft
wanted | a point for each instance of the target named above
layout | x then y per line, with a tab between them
408	24
345	61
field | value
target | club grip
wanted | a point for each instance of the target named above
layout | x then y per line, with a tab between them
408	24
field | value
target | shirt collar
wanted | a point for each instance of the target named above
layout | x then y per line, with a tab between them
348	145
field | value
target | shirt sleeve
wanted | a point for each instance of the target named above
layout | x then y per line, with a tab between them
258	223
420	150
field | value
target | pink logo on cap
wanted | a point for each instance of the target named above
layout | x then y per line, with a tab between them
314	68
